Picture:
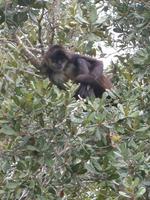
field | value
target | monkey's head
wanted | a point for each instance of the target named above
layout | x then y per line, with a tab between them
56	58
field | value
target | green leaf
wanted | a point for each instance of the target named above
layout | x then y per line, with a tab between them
80	19
136	182
79	16
93	14
134	114
2	191
124	194
7	130
12	185
20	17
78	168
143	129
96	165
32	148
16	100
100	20
140	192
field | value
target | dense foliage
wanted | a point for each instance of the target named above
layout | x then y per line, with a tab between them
53	147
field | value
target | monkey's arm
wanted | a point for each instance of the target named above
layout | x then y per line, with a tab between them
91	78
86	80
95	66
84	74
97	69
58	79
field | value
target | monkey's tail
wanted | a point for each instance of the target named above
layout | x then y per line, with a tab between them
105	82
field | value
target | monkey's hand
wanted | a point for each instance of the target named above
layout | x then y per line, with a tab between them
58	79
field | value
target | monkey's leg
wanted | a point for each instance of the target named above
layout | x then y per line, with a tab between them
89	91
84	91
80	92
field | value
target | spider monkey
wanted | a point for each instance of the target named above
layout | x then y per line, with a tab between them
61	65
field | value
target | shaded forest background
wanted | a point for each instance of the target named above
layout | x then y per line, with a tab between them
53	147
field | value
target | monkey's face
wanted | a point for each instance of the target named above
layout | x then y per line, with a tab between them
58	65
58	61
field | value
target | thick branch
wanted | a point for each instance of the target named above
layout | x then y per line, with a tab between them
25	52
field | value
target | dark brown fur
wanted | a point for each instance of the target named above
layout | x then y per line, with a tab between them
61	65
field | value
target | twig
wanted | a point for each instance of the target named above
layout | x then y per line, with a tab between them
55	19
40	31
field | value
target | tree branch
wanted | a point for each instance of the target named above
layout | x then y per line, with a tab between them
40	31
25	52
